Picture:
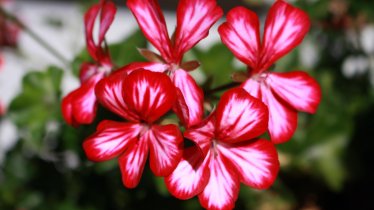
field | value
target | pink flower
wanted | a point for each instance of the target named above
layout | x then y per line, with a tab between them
284	93
227	154
9	32
194	19
141	98
79	106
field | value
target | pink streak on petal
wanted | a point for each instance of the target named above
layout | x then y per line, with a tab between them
132	163
108	12
191	175
109	92
166	148
222	190
285	28
194	19
241	35
240	116
282	117
149	94
79	106
256	161
152	22
297	88
89	22
253	87
110	140
193	98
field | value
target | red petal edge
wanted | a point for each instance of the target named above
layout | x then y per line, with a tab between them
241	35
190	176
110	140
240	117
166	148
149	94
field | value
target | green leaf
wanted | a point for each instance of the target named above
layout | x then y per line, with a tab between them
37	105
126	51
216	62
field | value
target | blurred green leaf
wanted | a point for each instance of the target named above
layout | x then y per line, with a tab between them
216	62
37	105
126	51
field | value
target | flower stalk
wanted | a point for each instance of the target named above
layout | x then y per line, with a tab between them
33	35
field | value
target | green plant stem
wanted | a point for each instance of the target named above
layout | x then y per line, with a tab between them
33	35
222	88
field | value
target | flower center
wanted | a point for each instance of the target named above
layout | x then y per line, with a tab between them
261	77
105	68
214	148
144	129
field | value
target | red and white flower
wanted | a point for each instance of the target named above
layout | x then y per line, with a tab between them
79	106
226	153
142	98
194	19
284	93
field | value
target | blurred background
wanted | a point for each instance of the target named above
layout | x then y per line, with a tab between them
327	164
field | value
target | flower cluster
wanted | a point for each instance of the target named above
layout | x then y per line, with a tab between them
227	149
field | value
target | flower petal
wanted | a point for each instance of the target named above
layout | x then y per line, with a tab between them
240	116
79	106
256	161
285	28
297	88
109	92
194	19
149	94
132	162
191	175
89	23
241	35
110	140
152	22
202	134
222	190
151	66
189	106
87	70
253	87
166	148
108	11
282	118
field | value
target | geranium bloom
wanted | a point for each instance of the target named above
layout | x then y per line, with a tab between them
194	19
79	106
284	93
9	32
228	154
141	98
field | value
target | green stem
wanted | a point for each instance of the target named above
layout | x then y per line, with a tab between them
33	35
222	88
